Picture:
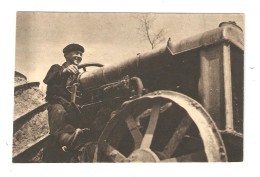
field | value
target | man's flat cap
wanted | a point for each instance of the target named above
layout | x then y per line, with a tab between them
73	47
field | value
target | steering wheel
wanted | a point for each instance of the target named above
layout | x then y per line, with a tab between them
73	88
84	65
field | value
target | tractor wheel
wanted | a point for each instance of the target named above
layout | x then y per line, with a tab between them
163	126
30	124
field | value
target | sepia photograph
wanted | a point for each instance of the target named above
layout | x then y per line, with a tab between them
128	87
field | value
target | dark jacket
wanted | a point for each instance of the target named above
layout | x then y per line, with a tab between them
56	82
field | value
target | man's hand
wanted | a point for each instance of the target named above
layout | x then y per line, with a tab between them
73	69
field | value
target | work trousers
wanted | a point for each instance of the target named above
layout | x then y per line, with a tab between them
59	123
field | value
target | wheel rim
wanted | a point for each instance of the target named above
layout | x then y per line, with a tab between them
214	149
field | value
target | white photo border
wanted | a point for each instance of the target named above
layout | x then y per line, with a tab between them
251	85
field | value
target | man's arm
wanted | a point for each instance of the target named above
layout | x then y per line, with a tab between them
55	73
72	69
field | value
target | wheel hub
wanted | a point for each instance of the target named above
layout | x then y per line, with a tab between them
143	155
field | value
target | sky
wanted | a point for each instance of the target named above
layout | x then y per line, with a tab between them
107	37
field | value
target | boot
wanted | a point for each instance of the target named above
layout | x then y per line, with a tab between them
72	141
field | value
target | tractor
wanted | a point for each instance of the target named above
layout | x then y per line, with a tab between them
182	102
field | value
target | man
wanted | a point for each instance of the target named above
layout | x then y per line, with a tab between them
65	133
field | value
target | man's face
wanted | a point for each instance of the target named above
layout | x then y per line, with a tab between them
74	57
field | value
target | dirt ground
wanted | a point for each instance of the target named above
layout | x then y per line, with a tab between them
27	100
37	127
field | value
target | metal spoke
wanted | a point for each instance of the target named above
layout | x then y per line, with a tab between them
178	135
134	130
192	157
148	137
147	112
113	154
